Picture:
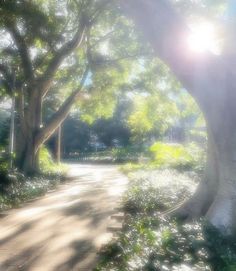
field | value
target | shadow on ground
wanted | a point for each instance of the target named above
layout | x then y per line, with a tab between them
64	230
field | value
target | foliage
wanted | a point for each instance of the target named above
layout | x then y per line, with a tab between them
169	155
17	189
150	241
48	165
126	154
4	127
152	114
79	136
3	165
68	50
118	63
177	156
113	155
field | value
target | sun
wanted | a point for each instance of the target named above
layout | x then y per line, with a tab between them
203	38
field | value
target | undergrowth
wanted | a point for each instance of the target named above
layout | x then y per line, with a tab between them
151	242
15	188
18	189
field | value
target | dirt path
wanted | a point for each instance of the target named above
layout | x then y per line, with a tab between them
63	230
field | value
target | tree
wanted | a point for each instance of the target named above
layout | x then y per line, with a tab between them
55	49
210	80
36	49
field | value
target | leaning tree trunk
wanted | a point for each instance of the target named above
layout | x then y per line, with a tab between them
215	196
210	80
222	212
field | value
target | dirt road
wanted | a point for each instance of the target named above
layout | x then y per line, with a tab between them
63	230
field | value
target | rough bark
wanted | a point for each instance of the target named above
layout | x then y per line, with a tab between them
29	122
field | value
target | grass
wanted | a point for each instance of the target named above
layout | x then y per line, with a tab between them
151	242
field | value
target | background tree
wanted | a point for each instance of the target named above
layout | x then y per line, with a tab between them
55	49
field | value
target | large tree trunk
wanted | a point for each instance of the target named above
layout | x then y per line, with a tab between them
215	196
222	212
29	126
204	195
27	158
211	81
30	161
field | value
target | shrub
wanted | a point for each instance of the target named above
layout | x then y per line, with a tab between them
177	156
17	188
125	154
47	164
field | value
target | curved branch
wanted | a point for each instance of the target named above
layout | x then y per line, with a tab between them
62	113
61	54
23	51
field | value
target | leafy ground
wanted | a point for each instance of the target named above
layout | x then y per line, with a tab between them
19	189
15	188
151	242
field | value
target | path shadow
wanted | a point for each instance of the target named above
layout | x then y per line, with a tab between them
81	253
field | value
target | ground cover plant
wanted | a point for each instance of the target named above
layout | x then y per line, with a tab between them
18	189
15	188
153	242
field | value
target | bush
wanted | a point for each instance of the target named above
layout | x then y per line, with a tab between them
189	157
47	164
125	154
17	189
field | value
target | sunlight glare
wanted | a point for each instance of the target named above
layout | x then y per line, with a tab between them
203	38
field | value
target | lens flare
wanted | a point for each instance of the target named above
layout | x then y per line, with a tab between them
203	38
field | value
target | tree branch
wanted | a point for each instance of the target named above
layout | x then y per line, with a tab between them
100	8
23	51
104	38
61	54
62	113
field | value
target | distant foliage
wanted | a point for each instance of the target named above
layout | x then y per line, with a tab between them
126	154
177	156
